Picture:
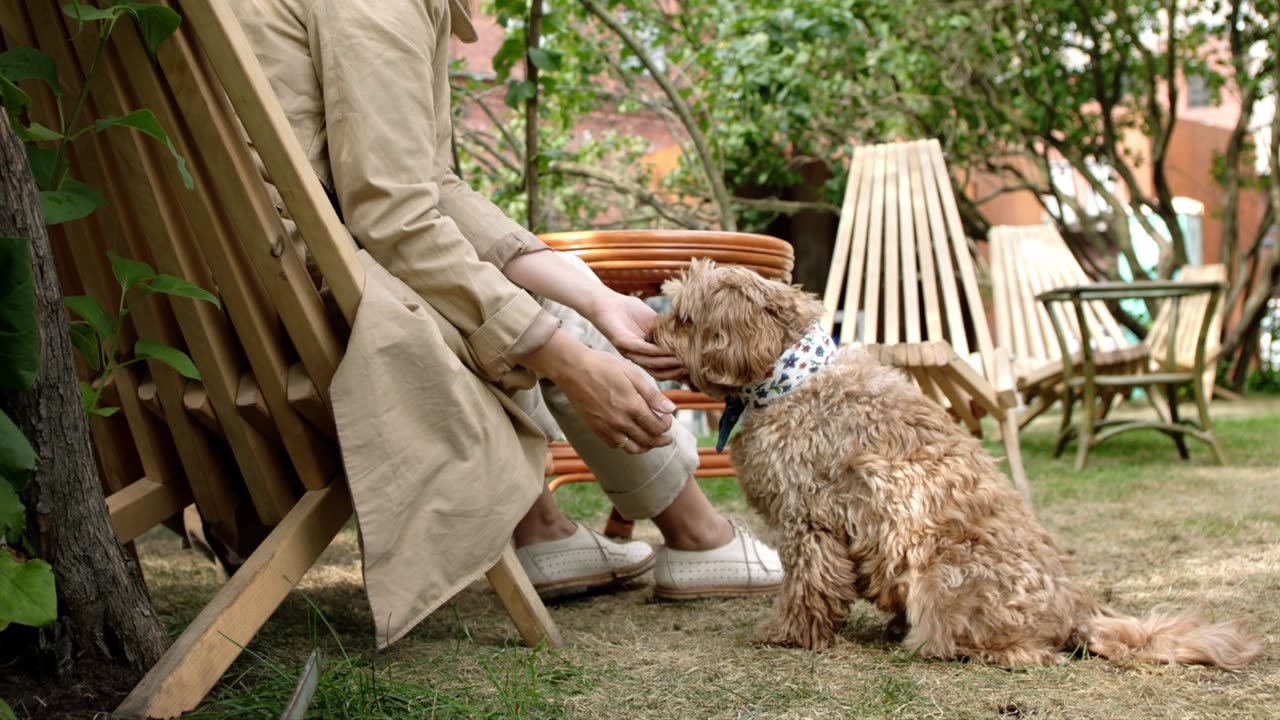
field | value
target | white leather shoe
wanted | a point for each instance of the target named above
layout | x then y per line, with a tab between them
745	566
583	561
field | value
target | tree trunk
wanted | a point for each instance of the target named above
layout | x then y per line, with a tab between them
104	613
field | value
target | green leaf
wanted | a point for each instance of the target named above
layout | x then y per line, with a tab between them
130	272
104	411
13	514
16	453
172	357
85	341
74	185
170	285
145	121
41	161
542	59
13	98
19	329
155	23
24	63
88	13
70	203
518	91
6	712
36	132
86	307
27	594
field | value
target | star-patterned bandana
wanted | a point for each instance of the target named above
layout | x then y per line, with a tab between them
798	363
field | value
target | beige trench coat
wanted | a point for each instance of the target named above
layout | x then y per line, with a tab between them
439	449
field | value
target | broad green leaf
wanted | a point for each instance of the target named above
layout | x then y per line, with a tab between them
41	161
59	206
155	23
13	514
543	59
35	132
27	594
104	411
86	396
519	91
130	272
19	330
85	341
6	712
170	285
74	185
88	13
172	357
86	307
24	63
16	453
145	121
14	99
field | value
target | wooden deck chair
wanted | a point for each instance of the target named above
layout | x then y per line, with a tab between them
253	443
903	277
1027	260
1190	315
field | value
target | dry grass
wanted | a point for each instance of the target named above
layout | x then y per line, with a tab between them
1145	527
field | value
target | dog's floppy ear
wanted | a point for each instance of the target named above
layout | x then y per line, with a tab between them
740	339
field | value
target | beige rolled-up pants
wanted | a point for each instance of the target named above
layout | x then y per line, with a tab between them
639	486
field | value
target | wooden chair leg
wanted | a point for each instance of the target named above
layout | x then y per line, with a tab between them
199	657
1088	413
1013	452
618	527
524	606
1179	439
1206	427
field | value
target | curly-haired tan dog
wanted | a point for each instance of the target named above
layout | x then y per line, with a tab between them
878	494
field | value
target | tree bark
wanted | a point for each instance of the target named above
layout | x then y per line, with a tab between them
104	613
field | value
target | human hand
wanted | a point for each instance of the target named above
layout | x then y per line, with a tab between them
613	398
628	323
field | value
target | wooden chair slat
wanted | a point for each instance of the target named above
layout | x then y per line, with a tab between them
873	273
861	225
924	247
844	237
893	288
910	280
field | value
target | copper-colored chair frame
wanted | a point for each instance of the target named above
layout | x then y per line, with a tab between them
637	262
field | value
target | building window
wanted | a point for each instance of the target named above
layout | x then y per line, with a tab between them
1198	93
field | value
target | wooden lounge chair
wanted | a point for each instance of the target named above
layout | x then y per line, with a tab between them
1190	315
253	443
903	277
1028	260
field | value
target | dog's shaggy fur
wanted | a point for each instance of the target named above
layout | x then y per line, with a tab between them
878	494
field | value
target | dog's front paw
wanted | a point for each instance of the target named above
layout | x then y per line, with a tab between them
791	632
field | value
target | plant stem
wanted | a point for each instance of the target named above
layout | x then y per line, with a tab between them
60	172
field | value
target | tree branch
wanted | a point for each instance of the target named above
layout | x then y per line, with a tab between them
715	177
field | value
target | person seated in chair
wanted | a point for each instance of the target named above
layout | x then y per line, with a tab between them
365	87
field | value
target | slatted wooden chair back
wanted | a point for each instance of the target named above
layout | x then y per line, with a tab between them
904	283
1187	328
903	271
1027	260
252	442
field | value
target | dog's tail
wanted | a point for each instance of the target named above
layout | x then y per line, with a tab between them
1165	636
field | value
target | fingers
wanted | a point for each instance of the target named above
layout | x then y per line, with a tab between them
660	364
641	347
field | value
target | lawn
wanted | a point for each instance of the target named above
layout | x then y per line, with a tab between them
1145	528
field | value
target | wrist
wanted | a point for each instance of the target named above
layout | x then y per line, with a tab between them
556	359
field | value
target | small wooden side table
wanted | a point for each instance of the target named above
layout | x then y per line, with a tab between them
1086	384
